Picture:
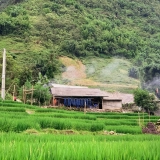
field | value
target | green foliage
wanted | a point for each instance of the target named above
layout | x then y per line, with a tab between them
41	94
143	99
15	119
49	147
10	109
6	125
79	28
14	21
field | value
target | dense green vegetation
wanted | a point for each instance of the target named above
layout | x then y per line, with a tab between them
35	33
32	132
78	147
32	117
146	101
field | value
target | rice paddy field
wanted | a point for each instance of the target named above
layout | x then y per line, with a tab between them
33	133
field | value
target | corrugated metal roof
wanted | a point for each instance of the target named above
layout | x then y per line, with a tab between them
77	92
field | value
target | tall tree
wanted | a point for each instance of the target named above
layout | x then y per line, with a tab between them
145	100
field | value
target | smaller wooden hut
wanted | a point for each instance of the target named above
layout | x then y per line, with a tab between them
112	103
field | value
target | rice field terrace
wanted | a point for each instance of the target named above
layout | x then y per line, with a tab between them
33	133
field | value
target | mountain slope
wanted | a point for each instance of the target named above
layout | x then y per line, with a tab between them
34	31
107	74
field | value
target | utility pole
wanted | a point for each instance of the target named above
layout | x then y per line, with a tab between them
3	75
14	92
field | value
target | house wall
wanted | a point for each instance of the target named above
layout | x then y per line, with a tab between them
112	104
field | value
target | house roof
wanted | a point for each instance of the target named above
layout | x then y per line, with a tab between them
81	91
66	86
126	98
77	92
111	98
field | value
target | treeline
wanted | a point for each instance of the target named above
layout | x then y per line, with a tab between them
82	28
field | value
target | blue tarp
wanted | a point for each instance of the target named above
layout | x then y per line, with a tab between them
78	102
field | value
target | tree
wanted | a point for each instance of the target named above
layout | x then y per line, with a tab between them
145	100
41	93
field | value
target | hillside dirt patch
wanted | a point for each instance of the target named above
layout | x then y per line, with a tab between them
76	73
75	70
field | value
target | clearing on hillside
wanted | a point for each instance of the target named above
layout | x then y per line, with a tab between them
107	74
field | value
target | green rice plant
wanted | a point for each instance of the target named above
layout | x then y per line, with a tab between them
131	122
80	126
103	113
97	127
21	126
154	117
6	125
84	117
69	124
116	113
13	104
54	123
16	146
56	110
88	126
124	129
120	116
75	116
24	124
51	115
63	120
12	109
136	114
151	120
76	138
113	116
13	114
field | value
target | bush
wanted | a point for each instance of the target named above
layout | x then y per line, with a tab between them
133	72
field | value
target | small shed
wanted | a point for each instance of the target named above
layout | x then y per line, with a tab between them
112	103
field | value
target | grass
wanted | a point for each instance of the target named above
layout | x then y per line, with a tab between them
63	115
111	73
17	119
16	146
62	134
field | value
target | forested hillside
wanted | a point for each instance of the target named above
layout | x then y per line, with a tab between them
37	32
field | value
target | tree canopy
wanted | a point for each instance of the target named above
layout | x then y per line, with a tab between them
34	30
145	100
